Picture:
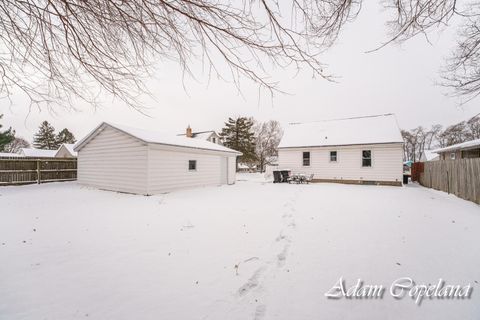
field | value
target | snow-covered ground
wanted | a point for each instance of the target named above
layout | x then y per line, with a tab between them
255	250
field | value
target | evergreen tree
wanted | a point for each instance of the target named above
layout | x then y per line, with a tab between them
238	135
5	136
65	136
45	138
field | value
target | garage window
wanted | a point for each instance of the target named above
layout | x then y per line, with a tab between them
192	165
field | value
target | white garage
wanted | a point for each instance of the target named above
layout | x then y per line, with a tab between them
125	159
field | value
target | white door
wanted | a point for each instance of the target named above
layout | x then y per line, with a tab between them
223	170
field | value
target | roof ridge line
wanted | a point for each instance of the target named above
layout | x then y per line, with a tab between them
349	118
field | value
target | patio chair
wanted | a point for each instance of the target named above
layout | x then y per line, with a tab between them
292	178
309	178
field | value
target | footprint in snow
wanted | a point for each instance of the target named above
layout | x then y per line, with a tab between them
188	225
251	259
251	283
260	312
281	237
282	257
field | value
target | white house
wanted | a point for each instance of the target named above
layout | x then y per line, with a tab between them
125	159
367	150
66	150
37	153
429	155
467	149
211	135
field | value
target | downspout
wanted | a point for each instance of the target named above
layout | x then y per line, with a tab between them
147	168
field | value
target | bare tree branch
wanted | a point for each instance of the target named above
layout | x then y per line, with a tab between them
56	51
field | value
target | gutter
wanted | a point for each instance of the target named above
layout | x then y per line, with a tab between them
341	145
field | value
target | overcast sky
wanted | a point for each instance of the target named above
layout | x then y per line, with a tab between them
396	79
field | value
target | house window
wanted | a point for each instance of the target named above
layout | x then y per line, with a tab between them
214	140
366	158
333	156
192	165
306	158
452	156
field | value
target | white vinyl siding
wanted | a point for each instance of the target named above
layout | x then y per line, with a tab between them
386	162
63	153
232	169
168	168
115	161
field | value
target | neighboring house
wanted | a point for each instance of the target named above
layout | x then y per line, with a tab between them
365	150
211	136
66	151
242	167
37	153
469	149
429	155
9	155
125	159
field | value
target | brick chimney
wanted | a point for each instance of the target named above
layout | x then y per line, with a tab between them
189	132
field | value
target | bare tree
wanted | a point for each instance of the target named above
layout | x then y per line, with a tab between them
473	125
432	140
414	142
454	134
58	50
462	72
267	137
407	145
16	144
419	139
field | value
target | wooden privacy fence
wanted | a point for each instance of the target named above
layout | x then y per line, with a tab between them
460	177
416	170
33	170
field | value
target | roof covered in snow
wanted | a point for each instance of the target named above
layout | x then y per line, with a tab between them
70	148
158	138
349	131
37	153
473	144
202	135
10	155
429	155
